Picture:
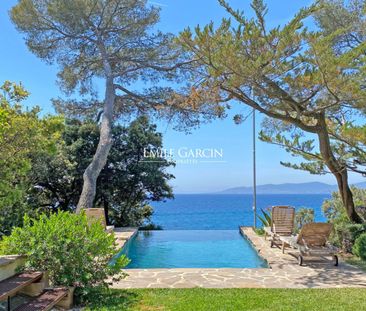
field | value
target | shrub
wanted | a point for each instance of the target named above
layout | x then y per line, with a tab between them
359	249
334	210
64	244
303	216
150	227
345	232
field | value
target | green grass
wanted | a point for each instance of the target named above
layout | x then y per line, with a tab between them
230	299
358	262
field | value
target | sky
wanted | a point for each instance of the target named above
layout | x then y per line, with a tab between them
232	166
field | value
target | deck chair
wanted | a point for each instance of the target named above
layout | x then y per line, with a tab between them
98	214
313	241
282	224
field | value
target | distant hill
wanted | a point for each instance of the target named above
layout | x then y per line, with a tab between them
289	188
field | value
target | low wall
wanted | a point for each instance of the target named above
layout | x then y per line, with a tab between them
9	265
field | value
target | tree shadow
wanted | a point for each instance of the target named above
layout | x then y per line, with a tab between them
112	299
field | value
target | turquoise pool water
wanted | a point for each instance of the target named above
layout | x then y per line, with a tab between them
191	249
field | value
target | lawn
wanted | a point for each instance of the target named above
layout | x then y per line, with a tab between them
230	299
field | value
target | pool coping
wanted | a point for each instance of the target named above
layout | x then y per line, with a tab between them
123	235
258	251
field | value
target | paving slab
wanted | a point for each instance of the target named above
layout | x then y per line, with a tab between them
124	234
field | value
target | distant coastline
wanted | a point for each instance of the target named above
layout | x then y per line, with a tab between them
289	188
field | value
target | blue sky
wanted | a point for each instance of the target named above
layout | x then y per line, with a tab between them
18	64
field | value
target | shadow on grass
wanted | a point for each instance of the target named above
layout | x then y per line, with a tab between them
121	300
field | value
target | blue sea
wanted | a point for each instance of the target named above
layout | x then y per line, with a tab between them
225	211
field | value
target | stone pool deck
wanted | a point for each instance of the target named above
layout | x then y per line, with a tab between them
284	272
123	235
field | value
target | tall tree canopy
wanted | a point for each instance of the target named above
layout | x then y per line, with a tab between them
305	87
109	40
125	186
348	18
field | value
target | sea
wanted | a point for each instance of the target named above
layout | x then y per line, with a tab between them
226	211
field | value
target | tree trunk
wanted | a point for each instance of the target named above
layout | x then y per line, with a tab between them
106	210
92	172
338	170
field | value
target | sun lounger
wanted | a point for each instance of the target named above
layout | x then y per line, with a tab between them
98	214
282	224
312	241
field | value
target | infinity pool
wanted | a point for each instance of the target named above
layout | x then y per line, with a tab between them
191	249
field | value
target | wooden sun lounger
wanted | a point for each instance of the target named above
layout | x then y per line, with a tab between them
98	214
282	224
312	241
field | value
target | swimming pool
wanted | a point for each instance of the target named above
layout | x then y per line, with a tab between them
191	249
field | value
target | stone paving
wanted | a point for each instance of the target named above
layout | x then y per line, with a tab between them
123	235
284	272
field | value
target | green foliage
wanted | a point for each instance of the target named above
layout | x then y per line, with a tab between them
128	198
125	186
259	231
64	244
67	32
43	161
345	235
303	216
344	24
265	218
359	249
345	232
111	39
150	227
340	15
307	90
333	208
23	137
108	40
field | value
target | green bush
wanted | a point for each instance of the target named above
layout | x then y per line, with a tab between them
303	216
64	244
359	248
334	210
345	232
151	227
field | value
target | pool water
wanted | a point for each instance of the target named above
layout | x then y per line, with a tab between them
191	249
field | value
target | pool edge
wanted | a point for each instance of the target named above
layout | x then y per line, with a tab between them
245	236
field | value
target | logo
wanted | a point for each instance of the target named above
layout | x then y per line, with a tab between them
185	155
